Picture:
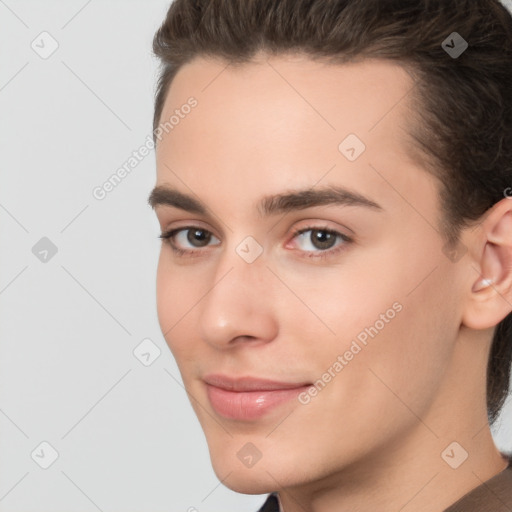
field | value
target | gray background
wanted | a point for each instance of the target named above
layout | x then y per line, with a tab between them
126	436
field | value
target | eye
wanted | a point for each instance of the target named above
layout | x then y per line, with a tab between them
314	241
179	239
320	241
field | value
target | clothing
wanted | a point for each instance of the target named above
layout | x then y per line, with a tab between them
494	495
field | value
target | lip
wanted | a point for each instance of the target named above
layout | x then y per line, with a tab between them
249	398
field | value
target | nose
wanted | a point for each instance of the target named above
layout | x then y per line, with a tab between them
239	306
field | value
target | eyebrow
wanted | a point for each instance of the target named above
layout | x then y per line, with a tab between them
269	205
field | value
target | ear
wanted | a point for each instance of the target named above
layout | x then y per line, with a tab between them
489	298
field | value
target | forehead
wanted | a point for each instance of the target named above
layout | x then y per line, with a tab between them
316	92
285	119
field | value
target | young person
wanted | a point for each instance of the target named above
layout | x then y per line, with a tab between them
335	277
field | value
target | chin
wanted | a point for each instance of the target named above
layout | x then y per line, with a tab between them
263	477
247	481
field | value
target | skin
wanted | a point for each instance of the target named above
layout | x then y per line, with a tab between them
372	438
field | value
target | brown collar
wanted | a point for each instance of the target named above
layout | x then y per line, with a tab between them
493	495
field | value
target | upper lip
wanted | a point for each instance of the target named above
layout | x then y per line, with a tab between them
249	383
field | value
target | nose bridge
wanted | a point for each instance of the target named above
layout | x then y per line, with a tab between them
237	304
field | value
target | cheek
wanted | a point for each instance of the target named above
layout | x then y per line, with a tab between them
408	347
179	291
164	297
173	296
391	376
386	315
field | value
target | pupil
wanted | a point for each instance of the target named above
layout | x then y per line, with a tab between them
198	235
322	239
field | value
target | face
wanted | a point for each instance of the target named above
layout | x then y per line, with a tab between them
305	256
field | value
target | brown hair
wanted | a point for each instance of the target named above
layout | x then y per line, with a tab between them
464	123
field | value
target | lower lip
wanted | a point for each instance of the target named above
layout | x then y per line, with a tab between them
249	405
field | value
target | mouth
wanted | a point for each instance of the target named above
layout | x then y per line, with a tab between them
248	398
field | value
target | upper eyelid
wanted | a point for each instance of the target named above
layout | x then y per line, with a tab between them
295	231
187	225
343	236
173	232
313	210
315	224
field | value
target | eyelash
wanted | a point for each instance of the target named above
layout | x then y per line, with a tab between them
167	237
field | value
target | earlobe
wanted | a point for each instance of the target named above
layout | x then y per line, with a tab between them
482	284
